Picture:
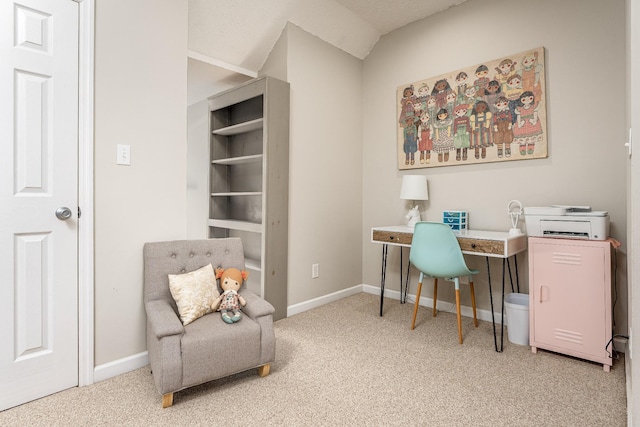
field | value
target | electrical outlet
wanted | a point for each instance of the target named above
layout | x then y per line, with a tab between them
124	155
315	271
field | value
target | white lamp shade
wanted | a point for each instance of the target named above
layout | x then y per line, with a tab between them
414	187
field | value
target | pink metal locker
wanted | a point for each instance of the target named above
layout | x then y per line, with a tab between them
570	297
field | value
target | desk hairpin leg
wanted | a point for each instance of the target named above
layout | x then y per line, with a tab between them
403	299
511	278
403	294
383	277
504	261
385	248
515	262
493	316
505	265
401	251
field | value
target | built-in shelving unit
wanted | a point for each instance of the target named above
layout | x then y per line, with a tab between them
249	181
239	128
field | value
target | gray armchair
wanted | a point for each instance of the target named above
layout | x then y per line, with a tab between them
202	351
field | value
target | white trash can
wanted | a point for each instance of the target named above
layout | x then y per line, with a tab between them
517	306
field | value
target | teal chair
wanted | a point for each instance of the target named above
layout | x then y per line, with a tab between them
436	253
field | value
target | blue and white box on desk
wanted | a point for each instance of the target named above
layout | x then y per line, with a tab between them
457	220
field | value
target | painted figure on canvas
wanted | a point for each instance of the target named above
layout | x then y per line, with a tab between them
423	95
470	98
440	91
431	106
503	127
513	90
406	104
505	69
425	143
410	140
528	129
482	80
461	131
491	93
481	130
443	135
531	74
451	101
461	85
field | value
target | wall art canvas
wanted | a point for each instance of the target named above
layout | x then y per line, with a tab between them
490	112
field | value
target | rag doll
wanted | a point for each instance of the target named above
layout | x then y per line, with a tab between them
230	302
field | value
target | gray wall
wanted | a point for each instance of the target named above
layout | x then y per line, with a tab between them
633	205
585	76
197	170
325	170
140	100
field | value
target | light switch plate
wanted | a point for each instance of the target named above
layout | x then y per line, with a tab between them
123	155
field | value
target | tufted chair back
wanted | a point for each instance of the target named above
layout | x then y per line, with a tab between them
182	256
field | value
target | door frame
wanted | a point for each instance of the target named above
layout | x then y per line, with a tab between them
86	329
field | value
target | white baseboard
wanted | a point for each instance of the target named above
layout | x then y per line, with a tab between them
448	307
375	290
325	299
120	366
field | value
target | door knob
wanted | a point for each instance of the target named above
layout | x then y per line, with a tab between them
63	213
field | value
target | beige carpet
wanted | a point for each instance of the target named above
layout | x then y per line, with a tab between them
342	364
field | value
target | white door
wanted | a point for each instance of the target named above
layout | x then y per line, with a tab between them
38	175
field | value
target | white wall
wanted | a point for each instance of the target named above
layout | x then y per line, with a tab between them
585	77
140	100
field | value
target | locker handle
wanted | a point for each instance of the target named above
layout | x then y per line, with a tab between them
540	293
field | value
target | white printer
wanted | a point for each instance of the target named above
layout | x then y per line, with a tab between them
572	222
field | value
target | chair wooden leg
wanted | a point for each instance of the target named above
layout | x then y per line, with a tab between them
459	315
263	370
415	308
435	296
473	304
167	400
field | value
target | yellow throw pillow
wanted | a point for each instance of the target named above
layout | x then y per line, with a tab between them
194	293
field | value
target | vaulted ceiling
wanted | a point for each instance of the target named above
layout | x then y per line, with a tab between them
231	39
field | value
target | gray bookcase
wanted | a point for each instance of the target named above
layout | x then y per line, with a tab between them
249	180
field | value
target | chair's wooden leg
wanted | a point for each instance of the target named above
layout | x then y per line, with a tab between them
415	308
459	316
263	370
473	304
167	400
435	296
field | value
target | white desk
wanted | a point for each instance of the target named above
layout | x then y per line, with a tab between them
496	244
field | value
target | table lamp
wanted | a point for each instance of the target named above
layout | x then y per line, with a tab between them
414	187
